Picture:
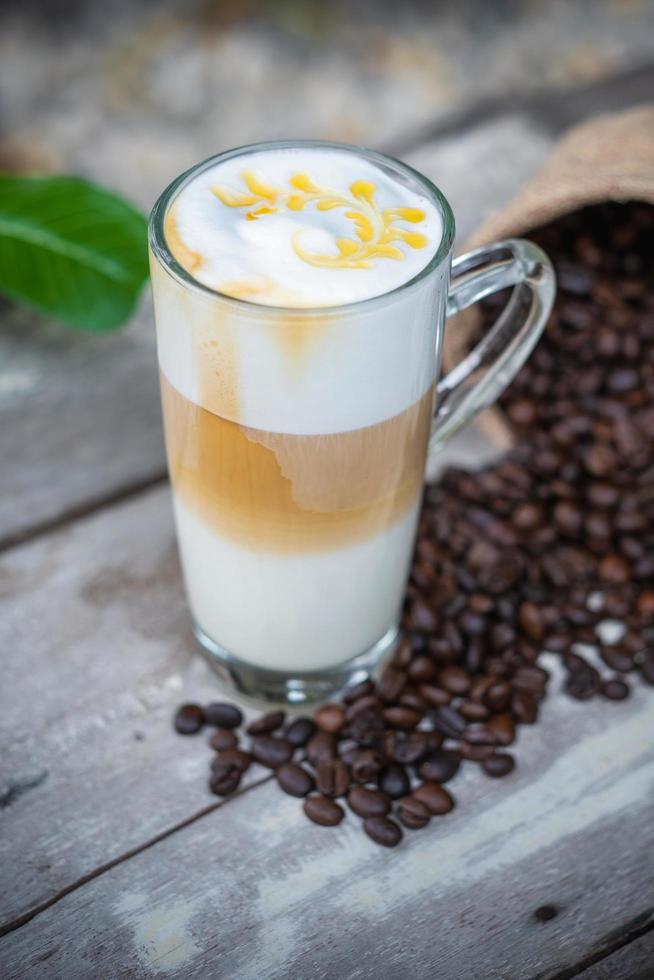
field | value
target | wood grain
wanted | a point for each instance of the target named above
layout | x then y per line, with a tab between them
97	653
253	890
634	961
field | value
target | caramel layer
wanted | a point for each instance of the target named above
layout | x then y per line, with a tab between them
269	491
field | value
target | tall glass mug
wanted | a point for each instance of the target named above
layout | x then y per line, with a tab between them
297	441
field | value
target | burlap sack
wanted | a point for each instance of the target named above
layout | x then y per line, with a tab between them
609	158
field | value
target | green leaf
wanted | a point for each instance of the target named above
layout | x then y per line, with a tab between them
71	249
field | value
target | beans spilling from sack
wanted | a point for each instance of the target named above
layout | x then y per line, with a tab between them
549	552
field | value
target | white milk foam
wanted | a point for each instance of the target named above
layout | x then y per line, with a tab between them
267	226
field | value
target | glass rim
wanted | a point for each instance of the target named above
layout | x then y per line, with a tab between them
168	261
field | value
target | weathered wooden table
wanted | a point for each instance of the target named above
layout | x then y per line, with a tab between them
115	859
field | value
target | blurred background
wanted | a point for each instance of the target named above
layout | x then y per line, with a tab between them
129	94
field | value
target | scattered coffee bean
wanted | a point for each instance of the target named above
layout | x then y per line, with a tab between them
498	764
330	718
440	766
405	747
320	746
394	781
368	802
365	765
189	719
360	690
401	717
614	689
435	797
270	751
333	777
236	757
413	813
294	779
223	715
324	811
299	732
224	738
225	778
383	831
266	723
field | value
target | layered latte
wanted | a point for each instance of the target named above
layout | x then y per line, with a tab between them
297	385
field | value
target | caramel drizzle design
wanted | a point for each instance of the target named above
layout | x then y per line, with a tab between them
375	229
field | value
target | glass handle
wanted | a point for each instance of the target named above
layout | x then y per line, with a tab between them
483	375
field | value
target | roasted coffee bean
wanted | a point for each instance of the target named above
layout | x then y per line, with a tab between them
647	670
299	732
394	781
320	746
473	711
270	751
455	680
413	813
223	715
498	764
478	734
497	695
225	778
435	696
474	753
189	719
437	799
365	765
330	718
617	659
367	704
502	727
422	670
530	620
583	684
360	690
333	777
524	708
324	811
405	747
235	757
440	766
448	721
411	698
224	738
613	568
383	831
401	717
392	683
267	723
294	779
368	802
367	727
614	689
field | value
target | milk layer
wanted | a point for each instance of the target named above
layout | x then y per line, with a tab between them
294	612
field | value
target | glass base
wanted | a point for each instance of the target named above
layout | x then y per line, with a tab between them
290	688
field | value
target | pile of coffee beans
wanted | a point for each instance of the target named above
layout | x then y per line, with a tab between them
551	550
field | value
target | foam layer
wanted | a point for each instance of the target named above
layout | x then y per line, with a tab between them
302	227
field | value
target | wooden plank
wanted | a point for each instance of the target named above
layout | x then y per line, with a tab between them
253	890
634	961
97	653
82	412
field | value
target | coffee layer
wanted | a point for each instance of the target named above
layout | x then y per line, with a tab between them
287	494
